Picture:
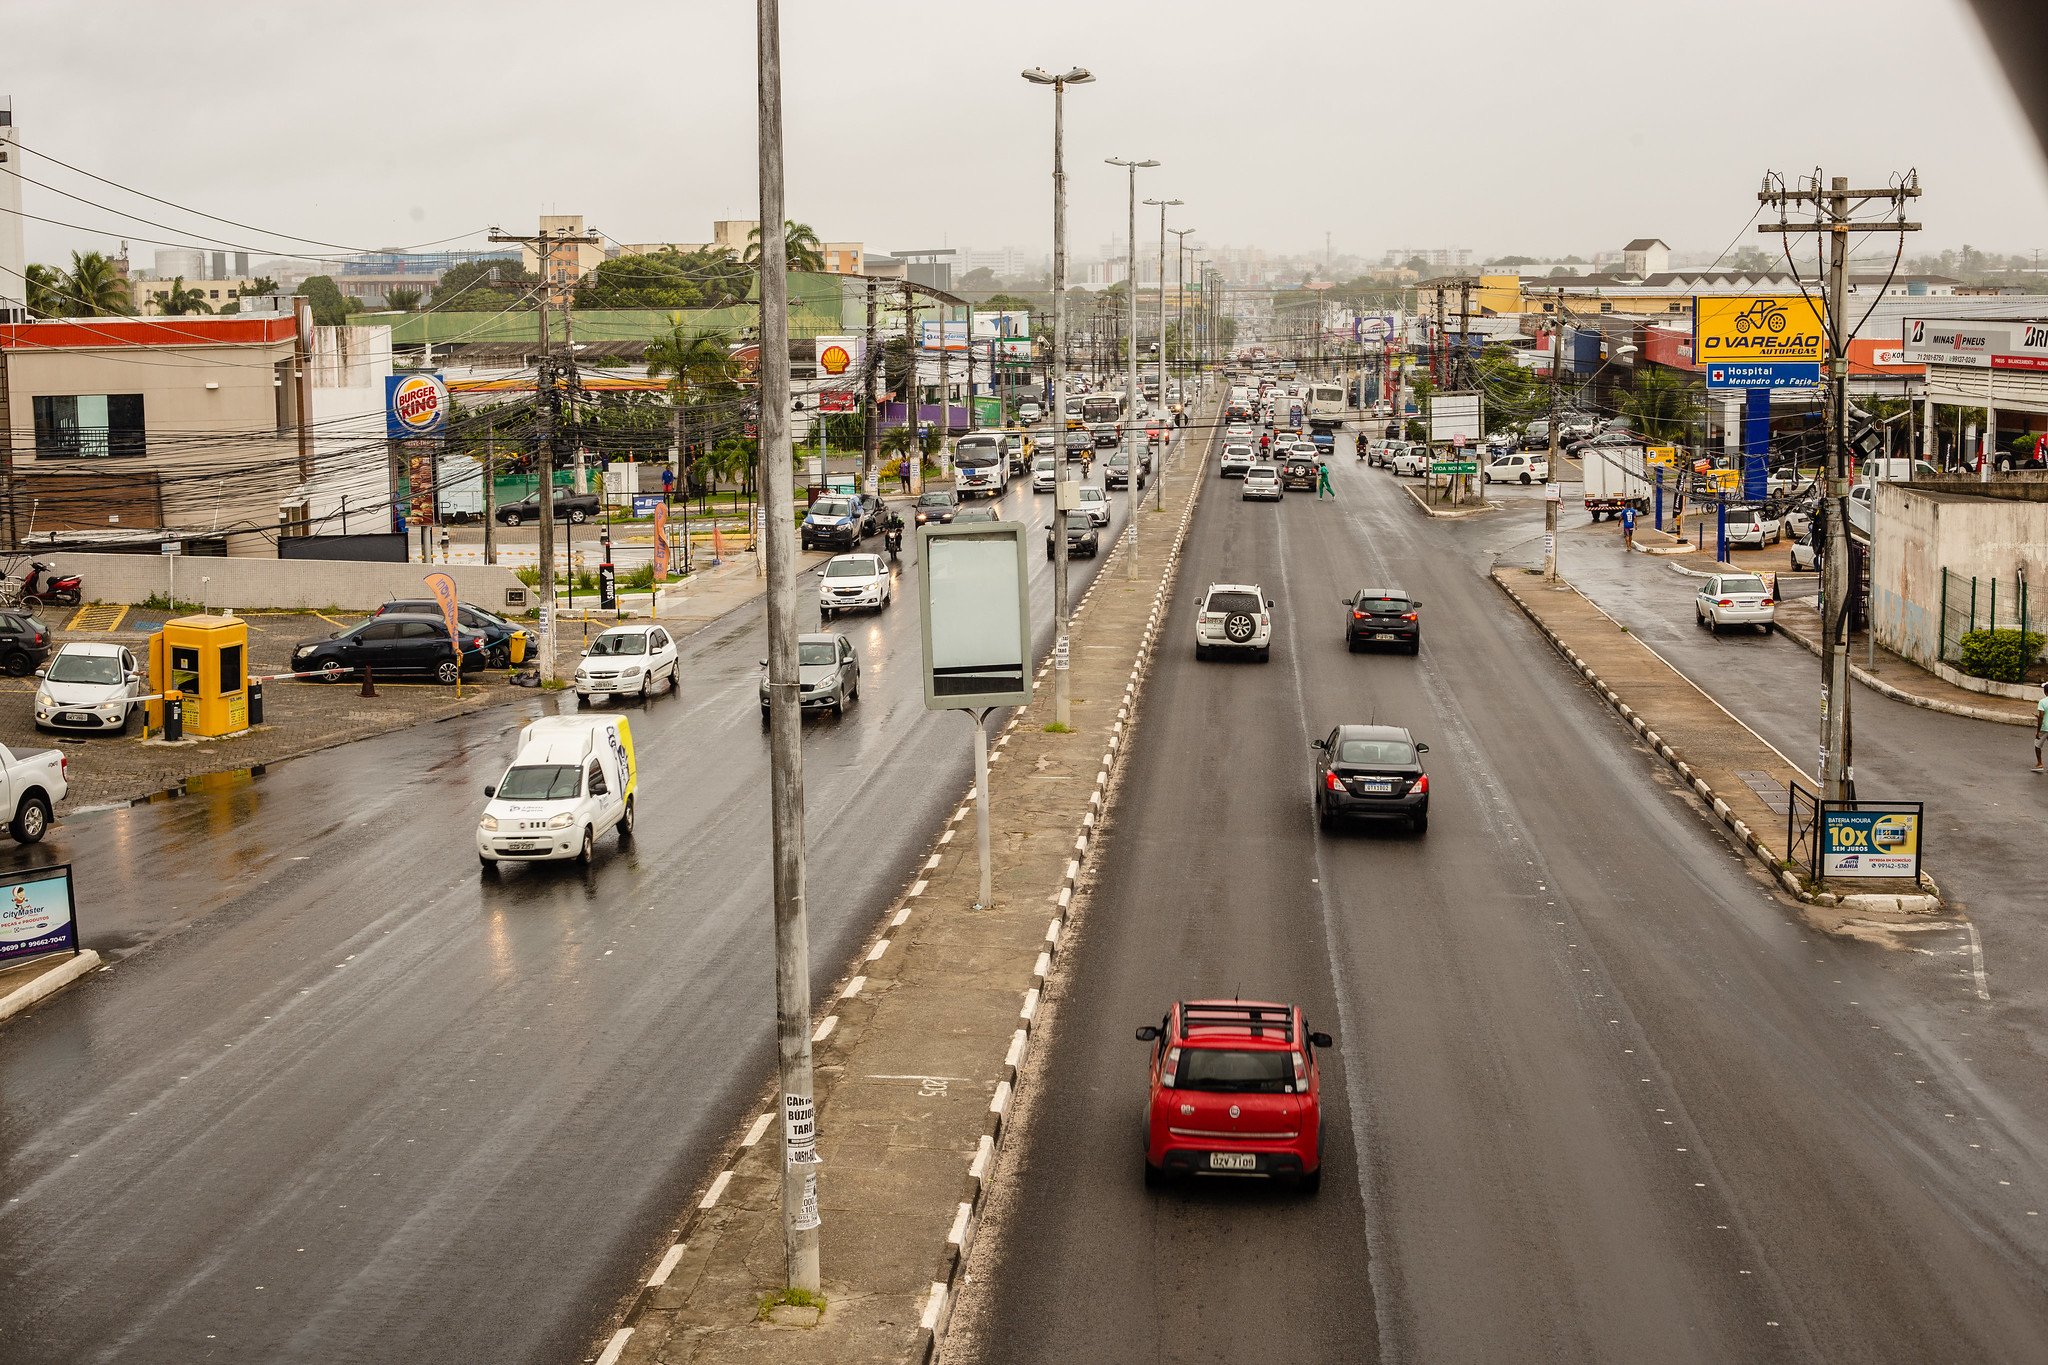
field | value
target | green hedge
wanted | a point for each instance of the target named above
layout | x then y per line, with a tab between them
2000	655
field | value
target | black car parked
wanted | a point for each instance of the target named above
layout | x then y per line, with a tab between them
394	644
1372	772
1383	616
495	629
576	507
1083	537
24	643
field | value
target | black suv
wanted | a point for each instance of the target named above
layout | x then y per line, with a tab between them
1383	616
495	629
1300	473
576	507
24	643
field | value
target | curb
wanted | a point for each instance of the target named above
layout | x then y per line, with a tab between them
937	1313
1762	852
48	984
1883	688
1442	513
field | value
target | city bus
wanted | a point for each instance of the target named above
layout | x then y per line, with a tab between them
1108	406
1326	400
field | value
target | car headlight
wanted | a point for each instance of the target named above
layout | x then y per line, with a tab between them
43	701
562	821
489	824
630	673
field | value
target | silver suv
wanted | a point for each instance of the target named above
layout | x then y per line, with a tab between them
1235	618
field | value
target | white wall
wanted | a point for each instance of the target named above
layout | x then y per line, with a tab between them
281	583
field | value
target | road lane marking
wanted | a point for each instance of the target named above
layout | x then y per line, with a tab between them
617	1344
666	1268
917	887
710	1199
824	1030
754	1133
853	988
901	915
875	953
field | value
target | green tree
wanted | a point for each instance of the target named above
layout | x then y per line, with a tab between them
259	287
1663	403
330	309
1006	303
180	300
697	365
800	245
46	289
491	286
402	300
975	281
657	280
93	288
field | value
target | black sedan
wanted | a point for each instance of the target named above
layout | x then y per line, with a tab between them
393	644
937	507
1116	472
576	507
1083	537
1383	616
1371	772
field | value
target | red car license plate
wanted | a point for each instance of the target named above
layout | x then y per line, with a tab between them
1233	1161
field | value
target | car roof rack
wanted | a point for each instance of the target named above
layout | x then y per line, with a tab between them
1238	1017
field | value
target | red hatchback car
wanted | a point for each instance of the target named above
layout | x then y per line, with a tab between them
1235	1090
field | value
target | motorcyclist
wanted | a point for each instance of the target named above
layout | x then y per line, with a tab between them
892	532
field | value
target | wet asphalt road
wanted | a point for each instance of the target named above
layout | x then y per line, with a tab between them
1597	1094
356	1104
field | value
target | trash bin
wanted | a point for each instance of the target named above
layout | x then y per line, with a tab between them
516	647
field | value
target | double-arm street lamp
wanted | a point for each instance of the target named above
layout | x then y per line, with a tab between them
1159	475
1132	453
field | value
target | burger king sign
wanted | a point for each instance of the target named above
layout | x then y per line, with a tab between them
414	405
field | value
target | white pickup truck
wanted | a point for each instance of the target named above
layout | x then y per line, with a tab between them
32	783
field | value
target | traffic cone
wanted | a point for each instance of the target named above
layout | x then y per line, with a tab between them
369	683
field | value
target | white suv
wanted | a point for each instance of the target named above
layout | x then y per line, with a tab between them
1237	460
1235	618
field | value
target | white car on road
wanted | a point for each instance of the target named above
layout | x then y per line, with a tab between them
88	685
1752	527
1412	462
852	582
629	659
1518	468
1235	618
1236	460
1090	498
1734	599
1262	481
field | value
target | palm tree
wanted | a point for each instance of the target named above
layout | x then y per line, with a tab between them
180	300
93	288
1662	403
801	247
402	300
45	291
695	362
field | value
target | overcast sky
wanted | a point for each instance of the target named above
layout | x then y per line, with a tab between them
1500	125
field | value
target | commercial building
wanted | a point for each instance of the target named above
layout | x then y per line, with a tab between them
13	255
148	295
1998	365
1953	555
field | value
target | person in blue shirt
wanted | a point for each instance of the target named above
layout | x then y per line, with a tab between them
1628	528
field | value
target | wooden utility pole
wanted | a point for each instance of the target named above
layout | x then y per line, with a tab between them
1833	213
915	455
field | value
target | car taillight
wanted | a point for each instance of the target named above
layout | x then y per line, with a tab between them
1330	781
1172	1067
1421	786
1357	615
1300	1074
64	763
1767	601
1410	616
1725	602
39	637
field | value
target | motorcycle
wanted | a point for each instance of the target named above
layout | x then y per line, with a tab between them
892	538
45	583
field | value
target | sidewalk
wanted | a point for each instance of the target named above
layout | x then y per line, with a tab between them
1734	770
1900	678
915	1056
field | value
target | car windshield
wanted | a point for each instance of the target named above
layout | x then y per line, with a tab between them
1079	523
1382	751
1382	605
1215	1068
85	668
1234	601
831	507
815	653
935	500
1042	462
540	782
622	642
1090	493
850	568
1742	585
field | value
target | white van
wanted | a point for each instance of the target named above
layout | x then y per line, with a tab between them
573	779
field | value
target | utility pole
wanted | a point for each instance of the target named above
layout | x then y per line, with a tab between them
491	490
1133	453
302	382
871	425
1159	474
1180	310
1550	490
785	718
1833	210
546	394
914	456
1464	366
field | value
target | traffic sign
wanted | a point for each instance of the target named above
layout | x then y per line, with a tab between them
1454	467
1767	374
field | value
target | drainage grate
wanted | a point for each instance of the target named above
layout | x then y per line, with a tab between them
1768	790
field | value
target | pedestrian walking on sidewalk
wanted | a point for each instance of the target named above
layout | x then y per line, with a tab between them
2040	725
1628	528
1323	488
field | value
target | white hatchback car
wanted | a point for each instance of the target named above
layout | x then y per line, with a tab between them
1518	467
1413	462
629	660
88	686
1236	460
1734	599
852	582
1235	618
1753	527
1091	499
1262	481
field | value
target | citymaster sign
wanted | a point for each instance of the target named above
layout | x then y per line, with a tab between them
1758	342
414	405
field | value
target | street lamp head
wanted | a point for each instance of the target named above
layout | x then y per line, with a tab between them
1038	75
1080	75
1131	165
1626	350
1166	203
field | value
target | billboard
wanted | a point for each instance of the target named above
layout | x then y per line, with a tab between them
1452	415
990	326
1758	341
955	334
1874	840
840	355
974	610
1977	345
37	914
414	405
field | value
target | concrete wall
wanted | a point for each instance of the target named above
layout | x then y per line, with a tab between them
1921	529
257	583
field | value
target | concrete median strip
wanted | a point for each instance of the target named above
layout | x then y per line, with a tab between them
1706	745
917	1057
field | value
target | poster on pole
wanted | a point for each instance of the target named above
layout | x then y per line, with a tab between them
1758	342
974	614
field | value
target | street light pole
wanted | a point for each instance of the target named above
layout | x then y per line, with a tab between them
1062	704
1133	456
1550	489
1159	478
785	719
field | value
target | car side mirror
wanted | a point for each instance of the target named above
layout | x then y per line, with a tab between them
490	791
1269	604
1350	601
1321	1040
1148	1033
44	673
1319	744
1421	748
764	663
1414	602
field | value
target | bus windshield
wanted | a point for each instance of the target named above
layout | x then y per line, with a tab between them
1102	407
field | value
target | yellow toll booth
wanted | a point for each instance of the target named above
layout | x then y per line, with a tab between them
205	660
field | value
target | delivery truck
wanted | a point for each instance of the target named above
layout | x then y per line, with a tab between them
1615	477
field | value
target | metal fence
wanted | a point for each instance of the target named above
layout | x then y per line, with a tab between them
1970	603
1802	829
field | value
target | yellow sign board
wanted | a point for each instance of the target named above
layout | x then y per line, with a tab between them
1757	329
1664	455
1724	480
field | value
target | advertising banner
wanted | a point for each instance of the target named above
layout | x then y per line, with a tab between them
660	541
840	355
37	914
1872	841
420	469
414	405
445	596
1976	345
1758	342
974	609
1454	414
1015	323
955	334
